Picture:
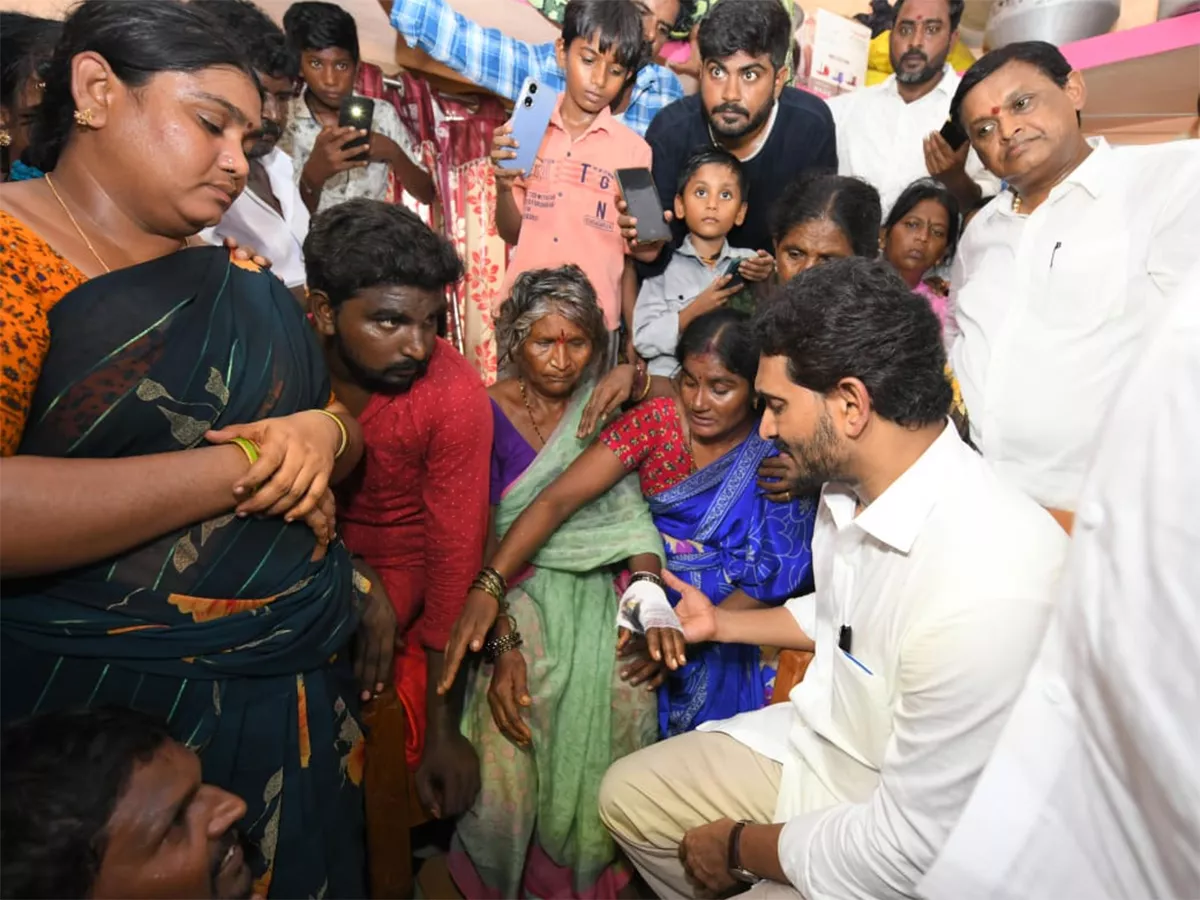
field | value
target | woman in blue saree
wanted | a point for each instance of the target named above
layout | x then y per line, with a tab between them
148	559
697	456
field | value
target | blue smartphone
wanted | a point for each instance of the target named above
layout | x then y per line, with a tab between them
530	119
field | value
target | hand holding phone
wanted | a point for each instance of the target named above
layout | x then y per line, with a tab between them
329	155
530	119
643	203
357	112
953	134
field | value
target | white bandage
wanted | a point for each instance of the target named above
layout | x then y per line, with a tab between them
644	605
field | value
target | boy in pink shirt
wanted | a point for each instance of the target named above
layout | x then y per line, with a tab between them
565	210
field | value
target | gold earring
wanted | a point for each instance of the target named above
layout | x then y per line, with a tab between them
5	138
83	117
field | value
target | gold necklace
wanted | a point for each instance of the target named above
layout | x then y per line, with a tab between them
529	409
54	191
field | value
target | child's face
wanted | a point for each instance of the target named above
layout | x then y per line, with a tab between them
711	203
918	241
594	79
329	75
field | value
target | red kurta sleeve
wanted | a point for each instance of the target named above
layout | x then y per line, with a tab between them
455	495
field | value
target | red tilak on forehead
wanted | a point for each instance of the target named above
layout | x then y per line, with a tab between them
561	340
995	110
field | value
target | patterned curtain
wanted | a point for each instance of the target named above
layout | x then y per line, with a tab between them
468	191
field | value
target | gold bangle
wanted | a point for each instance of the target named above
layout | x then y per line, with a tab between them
341	427
248	447
646	389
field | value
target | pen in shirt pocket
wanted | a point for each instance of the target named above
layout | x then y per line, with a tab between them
857	663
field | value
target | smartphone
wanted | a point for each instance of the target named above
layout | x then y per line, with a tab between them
733	268
954	134
357	112
641	197
530	119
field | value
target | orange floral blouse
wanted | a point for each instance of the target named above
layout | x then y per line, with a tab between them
33	277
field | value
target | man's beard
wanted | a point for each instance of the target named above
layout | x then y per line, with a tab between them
270	129
817	459
921	76
739	131
393	380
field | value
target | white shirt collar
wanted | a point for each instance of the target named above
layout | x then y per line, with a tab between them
897	515
1092	175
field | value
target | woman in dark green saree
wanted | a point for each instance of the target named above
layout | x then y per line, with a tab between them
130	577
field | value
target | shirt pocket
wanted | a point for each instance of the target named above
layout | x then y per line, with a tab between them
1086	282
861	709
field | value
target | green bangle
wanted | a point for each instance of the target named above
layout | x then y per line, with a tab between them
248	447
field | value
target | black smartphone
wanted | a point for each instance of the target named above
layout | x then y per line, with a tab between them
954	134
733	267
357	112
644	204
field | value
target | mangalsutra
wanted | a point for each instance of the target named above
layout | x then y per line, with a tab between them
1016	204
529	409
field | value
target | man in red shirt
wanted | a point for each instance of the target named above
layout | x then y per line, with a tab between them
417	508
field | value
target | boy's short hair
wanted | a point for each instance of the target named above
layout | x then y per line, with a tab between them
616	25
362	244
311	25
713	156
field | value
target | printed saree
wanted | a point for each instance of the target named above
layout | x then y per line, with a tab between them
721	533
226	629
535	829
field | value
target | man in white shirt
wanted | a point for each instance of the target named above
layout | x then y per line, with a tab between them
1094	789
268	215
933	589
888	134
1056	279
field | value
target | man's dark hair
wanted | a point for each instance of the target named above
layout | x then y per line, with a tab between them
1046	57
849	203
269	50
928	189
62	776
856	318
311	25
956	12
719	156
685	20
364	243
616	26
754	27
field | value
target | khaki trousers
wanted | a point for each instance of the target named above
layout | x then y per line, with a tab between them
650	799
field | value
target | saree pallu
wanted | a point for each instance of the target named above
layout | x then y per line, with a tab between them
535	829
227	629
721	533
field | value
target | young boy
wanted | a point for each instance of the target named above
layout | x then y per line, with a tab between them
711	200
327	171
565	210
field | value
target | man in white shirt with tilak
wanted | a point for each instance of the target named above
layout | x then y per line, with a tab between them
934	581
1057	279
1094	788
889	134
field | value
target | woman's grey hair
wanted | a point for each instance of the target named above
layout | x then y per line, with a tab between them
564	291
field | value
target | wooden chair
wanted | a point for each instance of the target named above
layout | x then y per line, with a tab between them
790	668
392	807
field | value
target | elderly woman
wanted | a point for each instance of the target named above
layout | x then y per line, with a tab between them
550	684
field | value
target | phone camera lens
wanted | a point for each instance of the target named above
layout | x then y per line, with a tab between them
533	89
528	102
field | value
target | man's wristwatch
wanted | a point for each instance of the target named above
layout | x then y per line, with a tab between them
735	856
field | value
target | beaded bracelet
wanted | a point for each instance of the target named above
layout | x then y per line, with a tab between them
650	577
494	648
341	427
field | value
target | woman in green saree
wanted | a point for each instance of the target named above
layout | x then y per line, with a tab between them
549	715
148	560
